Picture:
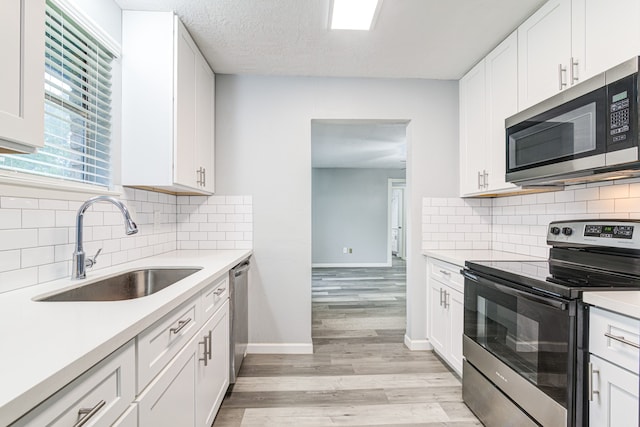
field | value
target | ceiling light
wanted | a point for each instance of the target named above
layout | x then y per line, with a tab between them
353	14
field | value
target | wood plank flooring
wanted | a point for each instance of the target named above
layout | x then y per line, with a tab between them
360	374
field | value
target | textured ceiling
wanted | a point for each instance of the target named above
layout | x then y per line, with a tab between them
439	39
358	144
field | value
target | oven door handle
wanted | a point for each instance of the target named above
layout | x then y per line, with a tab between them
560	305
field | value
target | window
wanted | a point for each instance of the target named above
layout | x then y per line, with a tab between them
77	106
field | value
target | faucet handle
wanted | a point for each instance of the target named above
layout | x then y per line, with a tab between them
90	262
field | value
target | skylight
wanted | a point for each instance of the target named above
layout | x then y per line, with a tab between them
353	14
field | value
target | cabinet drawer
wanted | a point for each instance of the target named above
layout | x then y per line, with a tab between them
607	331
161	341
214	296
447	273
100	395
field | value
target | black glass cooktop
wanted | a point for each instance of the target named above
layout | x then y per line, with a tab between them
559	277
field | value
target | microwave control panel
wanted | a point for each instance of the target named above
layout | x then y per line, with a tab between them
621	96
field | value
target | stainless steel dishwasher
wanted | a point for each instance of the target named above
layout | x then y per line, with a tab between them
239	317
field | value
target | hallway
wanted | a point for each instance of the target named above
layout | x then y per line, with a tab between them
360	374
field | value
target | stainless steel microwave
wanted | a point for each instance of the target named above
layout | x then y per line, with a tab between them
586	133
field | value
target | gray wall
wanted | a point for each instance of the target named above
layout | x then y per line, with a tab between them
263	149
350	209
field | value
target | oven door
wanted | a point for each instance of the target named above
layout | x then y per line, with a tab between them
526	342
558	139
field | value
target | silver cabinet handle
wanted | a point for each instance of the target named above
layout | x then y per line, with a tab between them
447	295
209	337
204	177
445	272
85	414
219	291
479	180
590	381
485	179
573	71
621	339
204	357
561	71
199	176
181	324
441	297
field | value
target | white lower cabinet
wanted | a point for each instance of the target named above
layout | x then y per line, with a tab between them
446	311
170	398
97	397
181	364
129	418
613	369
615	395
212	375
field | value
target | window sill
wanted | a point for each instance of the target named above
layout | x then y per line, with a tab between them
16	184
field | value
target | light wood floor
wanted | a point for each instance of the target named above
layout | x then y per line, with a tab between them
360	374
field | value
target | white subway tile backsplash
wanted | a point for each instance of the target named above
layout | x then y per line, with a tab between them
9	260
37	256
519	223
10	218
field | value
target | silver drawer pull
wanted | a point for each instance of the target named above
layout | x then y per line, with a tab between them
219	291
590	381
181	324
204	357
84	414
209	336
445	272
621	339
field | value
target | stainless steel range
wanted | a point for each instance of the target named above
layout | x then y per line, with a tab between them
525	338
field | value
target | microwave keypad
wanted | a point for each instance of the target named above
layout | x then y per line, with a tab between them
619	118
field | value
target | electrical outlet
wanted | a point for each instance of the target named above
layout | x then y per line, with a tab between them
350	250
344	250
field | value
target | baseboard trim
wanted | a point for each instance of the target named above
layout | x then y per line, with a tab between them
417	345
350	265
277	348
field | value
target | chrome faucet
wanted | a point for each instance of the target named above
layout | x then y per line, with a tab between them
79	262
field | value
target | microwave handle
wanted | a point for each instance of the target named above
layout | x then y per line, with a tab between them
550	302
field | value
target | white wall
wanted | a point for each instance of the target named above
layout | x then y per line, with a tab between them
351	209
263	149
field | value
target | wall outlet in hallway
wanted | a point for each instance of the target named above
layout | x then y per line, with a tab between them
346	250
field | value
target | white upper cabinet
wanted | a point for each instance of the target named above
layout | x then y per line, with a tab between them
568	41
22	75
605	34
502	102
488	95
168	106
544	51
473	157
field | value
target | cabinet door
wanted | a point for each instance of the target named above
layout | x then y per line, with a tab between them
205	117
170	398
502	102
472	129
544	50
212	379
438	323
605	33
22	75
185	170
616	402
455	307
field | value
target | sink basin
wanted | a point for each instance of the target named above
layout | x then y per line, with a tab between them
124	286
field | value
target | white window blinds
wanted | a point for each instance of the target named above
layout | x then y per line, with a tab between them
77	106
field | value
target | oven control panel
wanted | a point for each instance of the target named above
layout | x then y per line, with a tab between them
605	233
609	231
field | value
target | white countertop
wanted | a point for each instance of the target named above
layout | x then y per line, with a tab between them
458	257
45	345
623	302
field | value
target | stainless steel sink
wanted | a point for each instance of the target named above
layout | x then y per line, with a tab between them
128	285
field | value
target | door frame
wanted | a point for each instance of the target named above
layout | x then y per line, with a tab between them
397	183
